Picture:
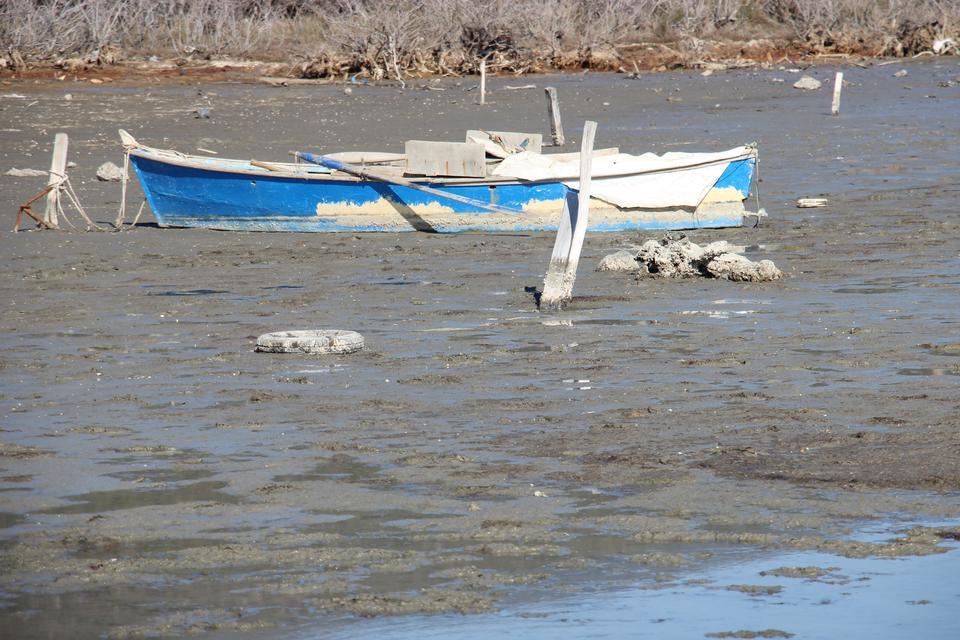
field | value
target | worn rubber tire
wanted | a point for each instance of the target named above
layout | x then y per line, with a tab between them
310	341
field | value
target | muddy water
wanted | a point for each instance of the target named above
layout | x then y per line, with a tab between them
158	477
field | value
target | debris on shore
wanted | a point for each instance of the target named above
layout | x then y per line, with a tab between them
336	341
674	256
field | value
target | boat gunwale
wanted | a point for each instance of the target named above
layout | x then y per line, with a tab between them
202	163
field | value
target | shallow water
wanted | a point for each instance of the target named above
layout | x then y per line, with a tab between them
881	599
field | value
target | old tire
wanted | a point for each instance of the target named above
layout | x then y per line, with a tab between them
310	341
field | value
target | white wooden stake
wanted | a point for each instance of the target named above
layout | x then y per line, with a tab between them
837	88
483	82
58	168
562	272
556	127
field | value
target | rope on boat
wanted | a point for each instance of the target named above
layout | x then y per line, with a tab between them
139	211
122	213
130	144
760	212
67	187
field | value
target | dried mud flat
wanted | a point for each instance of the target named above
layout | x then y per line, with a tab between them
158	477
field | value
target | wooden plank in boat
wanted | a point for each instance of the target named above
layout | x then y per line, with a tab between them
532	142
458	159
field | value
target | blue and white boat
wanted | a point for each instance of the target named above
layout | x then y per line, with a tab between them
673	191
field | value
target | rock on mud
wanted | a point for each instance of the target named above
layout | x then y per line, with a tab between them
807	83
622	261
109	172
674	256
732	266
25	173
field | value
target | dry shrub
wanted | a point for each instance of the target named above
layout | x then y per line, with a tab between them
879	27
394	38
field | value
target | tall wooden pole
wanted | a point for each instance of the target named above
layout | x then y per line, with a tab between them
562	272
483	82
837	88
556	127
58	168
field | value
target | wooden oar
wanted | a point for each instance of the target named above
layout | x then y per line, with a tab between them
360	172
269	167
558	283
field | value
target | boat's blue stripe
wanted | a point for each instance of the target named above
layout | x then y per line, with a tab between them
738	174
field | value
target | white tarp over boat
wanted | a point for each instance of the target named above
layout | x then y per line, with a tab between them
648	181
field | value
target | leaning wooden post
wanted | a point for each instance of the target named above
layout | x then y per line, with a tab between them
58	168
558	283
483	82
556	127
837	88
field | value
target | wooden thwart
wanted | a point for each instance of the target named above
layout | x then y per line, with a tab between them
456	159
558	283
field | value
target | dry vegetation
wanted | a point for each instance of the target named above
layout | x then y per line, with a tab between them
395	38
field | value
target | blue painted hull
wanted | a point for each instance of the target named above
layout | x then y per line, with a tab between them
233	195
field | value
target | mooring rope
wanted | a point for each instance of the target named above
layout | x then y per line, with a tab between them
63	184
122	213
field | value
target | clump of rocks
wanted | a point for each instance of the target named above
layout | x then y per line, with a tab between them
674	256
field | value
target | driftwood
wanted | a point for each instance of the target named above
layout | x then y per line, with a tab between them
289	82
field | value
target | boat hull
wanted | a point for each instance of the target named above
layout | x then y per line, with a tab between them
215	194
